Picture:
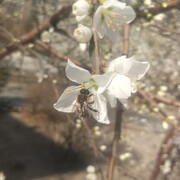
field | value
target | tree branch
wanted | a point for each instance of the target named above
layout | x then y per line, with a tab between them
117	132
159	9
59	55
64	12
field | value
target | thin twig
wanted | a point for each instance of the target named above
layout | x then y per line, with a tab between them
165	29
169	135
58	54
117	132
159	98
159	161
126	39
97	63
95	38
119	111
159	8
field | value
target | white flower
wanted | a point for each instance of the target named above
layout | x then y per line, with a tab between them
45	36
90	85
90	169
126	72
110	16
91	176
2	176
81	9
82	34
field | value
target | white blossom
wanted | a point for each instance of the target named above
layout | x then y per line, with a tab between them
126	72
90	169
81	9
45	36
95	84
82	34
91	176
110	16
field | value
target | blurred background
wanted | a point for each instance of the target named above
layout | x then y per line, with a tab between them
39	143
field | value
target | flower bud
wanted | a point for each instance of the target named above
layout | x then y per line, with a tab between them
81	8
82	34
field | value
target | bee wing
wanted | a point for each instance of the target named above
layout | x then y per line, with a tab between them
67	99
100	106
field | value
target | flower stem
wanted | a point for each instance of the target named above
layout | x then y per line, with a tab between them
97	62
117	132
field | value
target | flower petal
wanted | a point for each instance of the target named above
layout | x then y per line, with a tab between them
76	73
111	98
120	86
101	106
126	14
67	99
103	81
135	69
117	65
124	102
99	24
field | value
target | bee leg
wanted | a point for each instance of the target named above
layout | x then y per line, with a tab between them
94	110
91	102
90	95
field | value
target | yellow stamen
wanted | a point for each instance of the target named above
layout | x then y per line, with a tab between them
78	32
81	85
68	93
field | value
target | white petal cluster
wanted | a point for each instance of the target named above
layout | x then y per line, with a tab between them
82	34
91	173
117	84
125	73
96	84
120	80
81	9
110	16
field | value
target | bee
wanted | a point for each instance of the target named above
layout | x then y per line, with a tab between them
83	103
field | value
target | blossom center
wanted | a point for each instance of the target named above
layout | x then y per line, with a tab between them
78	32
112	19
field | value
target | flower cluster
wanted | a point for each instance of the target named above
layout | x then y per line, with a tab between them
108	18
93	91
119	81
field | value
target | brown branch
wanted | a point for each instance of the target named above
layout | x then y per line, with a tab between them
159	161
119	111
148	98
97	63
159	98
159	9
165	29
59	55
166	100
117	132
126	39
64	12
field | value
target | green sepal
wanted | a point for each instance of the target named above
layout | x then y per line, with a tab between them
91	47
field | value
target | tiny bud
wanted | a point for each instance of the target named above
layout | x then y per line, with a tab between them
45	37
103	147
164	5
165	125
90	169
82	34
81	8
54	81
